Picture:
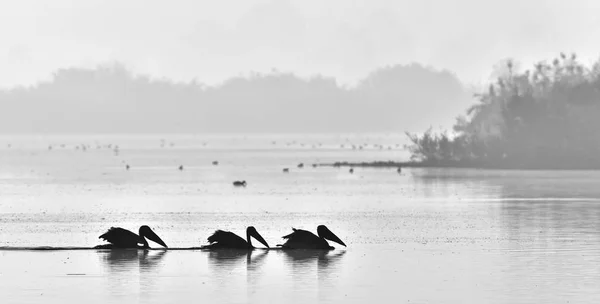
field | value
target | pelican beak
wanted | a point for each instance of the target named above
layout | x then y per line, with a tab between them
332	237
259	238
155	238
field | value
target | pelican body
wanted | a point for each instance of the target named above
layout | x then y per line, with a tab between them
302	239
123	238
229	240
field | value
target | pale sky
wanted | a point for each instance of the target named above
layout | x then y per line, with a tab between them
214	40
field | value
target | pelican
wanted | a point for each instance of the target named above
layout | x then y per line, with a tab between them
302	239
123	238
229	240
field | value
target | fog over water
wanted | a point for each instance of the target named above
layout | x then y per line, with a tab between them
131	113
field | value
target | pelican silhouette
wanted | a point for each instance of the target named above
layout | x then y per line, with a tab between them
123	238
229	240
302	239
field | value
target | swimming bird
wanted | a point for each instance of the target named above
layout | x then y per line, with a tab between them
302	239
123	238
229	240
286	170
240	183
399	170
215	163
300	165
181	168
351	170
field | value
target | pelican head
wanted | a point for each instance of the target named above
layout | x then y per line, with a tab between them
251	231
146	232
325	233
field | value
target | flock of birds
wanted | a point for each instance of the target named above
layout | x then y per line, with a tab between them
299	239
163	143
243	183
120	238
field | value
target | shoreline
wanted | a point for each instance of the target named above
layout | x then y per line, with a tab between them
452	165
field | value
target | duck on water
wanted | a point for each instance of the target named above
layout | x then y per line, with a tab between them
123	238
240	183
302	239
229	240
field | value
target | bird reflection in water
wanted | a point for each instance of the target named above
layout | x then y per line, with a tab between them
233	267
305	258
230	258
123	260
122	264
314	271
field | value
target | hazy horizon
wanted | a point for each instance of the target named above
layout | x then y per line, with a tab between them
111	99
188	40
457	47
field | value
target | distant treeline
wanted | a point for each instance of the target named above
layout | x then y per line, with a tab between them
544	118
111	99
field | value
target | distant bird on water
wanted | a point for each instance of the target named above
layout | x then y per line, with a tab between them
302	239
215	163
351	170
286	170
300	165
399	170
127	167
240	183
229	240
181	168
123	238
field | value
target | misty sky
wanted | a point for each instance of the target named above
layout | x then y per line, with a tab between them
213	40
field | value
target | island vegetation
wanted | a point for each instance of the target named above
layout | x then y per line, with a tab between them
543	118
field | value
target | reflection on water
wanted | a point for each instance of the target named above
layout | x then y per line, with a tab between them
122	264
307	258
308	271
236	272
232	258
227	257
253	259
125	260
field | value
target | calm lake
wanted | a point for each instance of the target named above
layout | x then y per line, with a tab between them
419	236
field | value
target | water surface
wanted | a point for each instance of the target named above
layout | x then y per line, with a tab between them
422	236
